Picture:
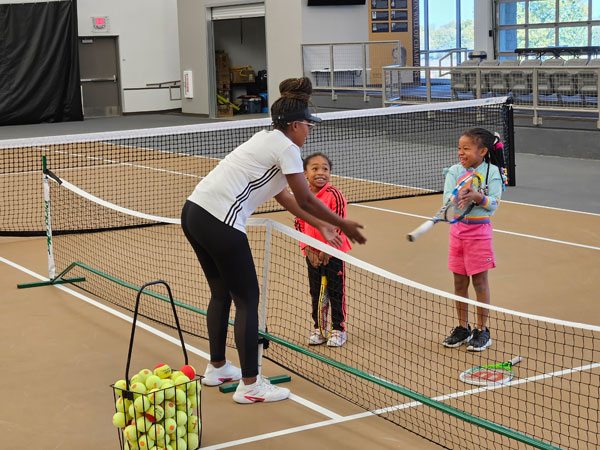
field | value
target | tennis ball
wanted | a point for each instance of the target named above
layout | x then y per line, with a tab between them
120	385
162	371
181	431
169	389
130	432
122	404
180	381
190	389
175	374
170	409
119	420
152	382
188	371
180	397
139	388
127	445
185	407
142	424
180	444
192	424
144	442
181	418
192	440
144	374
162	443
170	426
193	402
156	396
134	379
156	432
142	404
155	414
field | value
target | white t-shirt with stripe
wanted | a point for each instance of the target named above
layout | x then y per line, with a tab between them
247	177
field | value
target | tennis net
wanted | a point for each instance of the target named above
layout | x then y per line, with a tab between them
392	365
377	154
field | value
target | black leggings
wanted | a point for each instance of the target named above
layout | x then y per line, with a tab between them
225	256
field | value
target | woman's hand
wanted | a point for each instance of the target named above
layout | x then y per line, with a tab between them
329	232
351	229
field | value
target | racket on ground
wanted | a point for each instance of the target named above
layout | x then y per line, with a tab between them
450	212
490	375
324	310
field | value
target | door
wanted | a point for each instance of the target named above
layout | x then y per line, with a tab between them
99	67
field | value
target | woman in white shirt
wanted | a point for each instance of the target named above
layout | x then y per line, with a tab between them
214	221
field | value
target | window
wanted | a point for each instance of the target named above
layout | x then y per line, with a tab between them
511	39
445	25
511	13
541	37
546	23
572	36
573	10
542	11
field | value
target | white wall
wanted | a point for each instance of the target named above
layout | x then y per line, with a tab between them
335	23
148	40
484	9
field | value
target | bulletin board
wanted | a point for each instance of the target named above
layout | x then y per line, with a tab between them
396	20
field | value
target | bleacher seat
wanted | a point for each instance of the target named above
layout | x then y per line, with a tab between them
486	69
463	81
499	80
545	80
587	82
566	81
521	79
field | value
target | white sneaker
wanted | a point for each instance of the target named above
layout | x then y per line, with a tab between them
316	338
337	338
215	377
260	391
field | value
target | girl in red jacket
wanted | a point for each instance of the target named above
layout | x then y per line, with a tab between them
317	169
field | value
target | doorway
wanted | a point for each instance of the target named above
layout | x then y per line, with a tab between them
100	84
238	32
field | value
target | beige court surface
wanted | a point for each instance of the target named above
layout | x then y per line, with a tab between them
61	353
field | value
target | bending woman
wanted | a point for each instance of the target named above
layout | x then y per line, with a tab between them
214	221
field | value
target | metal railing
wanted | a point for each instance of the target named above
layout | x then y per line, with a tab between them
533	88
350	66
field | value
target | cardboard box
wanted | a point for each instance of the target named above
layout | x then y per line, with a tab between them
242	74
225	110
222	62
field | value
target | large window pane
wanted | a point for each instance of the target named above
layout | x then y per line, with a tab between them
466	27
511	39
596	35
542	11
573	10
595	9
572	36
541	37
512	13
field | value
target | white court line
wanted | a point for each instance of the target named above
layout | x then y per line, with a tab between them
150	329
539	238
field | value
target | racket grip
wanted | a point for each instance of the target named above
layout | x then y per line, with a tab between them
515	360
425	226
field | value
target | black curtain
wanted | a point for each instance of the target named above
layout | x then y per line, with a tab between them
39	63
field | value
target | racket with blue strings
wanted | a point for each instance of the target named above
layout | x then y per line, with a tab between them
450	212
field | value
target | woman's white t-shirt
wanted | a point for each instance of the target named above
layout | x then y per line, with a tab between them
247	177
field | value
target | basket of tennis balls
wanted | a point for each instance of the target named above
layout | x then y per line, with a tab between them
160	408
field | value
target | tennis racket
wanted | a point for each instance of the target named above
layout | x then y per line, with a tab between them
490	375
324	311
470	179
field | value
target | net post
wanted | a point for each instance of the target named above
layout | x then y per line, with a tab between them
51	264
508	113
